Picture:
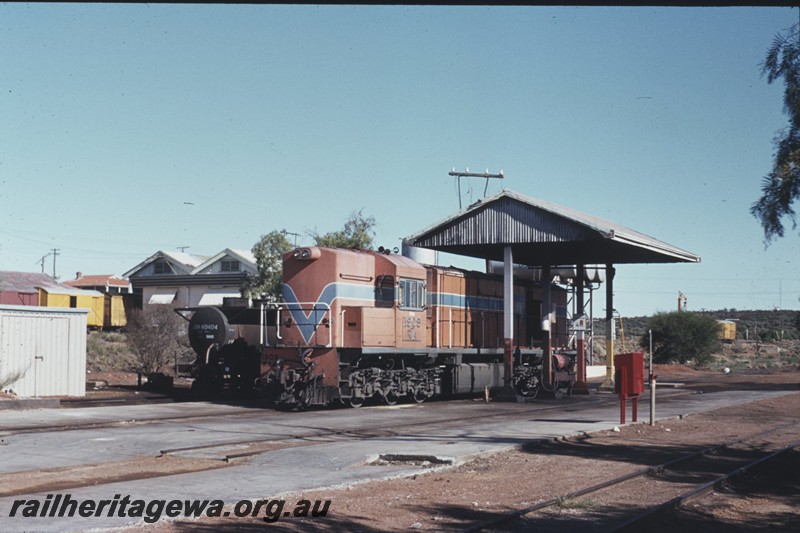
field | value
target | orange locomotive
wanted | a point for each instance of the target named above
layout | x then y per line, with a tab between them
357	324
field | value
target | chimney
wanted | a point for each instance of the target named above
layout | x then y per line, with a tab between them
78	275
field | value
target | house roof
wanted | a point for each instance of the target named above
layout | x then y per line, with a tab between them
97	280
184	261
242	256
542	233
73	291
24	281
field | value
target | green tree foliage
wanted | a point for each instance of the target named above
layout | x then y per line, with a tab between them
358	233
781	187
268	252
682	337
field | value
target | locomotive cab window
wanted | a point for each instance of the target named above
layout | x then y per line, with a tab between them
411	294
384	291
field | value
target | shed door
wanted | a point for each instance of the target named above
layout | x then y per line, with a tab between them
41	349
52	359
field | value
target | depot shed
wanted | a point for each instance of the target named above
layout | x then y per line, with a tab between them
43	351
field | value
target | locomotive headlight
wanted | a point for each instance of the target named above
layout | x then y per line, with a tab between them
307	254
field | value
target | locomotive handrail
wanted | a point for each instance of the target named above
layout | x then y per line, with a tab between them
315	307
278	324
341	338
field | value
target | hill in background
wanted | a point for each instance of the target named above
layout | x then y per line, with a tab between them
764	326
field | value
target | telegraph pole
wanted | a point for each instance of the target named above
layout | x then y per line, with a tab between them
41	261
296	235
55	252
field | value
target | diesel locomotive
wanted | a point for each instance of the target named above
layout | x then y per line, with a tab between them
356	325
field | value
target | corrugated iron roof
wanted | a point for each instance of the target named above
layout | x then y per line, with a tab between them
182	261
24	281
96	280
542	233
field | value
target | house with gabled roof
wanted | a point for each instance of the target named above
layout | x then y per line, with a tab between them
188	280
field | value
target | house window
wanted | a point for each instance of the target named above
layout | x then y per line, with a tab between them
162	267
411	294
230	266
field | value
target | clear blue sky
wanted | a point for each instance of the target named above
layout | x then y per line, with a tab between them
127	129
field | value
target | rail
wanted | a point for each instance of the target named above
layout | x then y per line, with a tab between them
657	469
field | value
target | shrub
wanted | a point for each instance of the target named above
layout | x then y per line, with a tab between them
682	337
157	335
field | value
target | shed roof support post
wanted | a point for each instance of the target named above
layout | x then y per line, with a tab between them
547	320
580	386
508	313
608	383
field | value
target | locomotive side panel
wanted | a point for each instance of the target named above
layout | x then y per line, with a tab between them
449	316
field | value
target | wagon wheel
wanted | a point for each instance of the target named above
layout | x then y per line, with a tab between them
356	401
526	389
390	397
419	395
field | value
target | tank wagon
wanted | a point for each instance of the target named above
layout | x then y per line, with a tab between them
354	325
228	340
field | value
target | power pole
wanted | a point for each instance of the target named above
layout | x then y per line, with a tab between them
55	254
41	261
296	235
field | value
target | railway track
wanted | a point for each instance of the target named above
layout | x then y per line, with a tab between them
250	405
238	448
677	481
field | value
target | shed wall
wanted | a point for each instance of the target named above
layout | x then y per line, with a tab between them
45	348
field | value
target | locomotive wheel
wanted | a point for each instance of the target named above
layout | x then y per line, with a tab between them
390	397
356	401
419	395
527	390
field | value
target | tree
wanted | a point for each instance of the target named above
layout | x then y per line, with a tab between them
781	187
267	283
268	251
157	335
358	233
681	337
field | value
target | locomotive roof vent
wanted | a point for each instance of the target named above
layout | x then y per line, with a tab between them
307	254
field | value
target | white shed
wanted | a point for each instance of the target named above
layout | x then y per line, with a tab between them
43	350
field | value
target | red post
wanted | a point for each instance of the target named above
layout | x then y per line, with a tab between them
622	393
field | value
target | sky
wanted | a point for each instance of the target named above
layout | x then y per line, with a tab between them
129	129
